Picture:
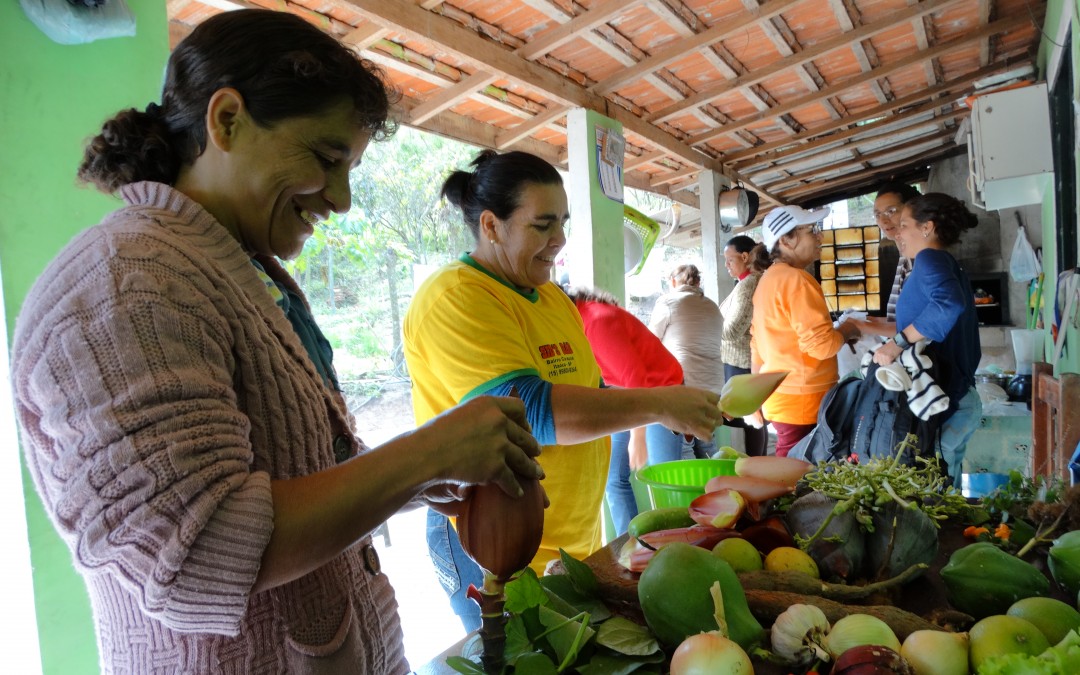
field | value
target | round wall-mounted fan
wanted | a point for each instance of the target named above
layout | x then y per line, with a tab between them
737	208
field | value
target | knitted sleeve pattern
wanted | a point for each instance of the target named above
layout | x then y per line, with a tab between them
123	378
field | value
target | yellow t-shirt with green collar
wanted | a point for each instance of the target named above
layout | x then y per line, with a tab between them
467	331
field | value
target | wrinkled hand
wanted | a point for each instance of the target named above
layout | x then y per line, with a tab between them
851	329
887	353
486	440
689	410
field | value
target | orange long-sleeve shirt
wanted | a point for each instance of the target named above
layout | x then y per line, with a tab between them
791	330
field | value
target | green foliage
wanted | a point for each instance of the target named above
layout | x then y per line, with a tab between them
553	629
357	268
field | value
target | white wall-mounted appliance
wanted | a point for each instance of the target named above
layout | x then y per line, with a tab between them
1009	147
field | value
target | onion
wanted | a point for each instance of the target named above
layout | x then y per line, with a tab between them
870	660
935	652
858	630
710	654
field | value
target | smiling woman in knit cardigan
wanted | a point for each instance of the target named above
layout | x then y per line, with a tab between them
181	417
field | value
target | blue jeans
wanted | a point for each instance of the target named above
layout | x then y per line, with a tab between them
663	446
454	568
956	432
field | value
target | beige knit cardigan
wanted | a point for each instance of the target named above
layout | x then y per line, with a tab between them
160	390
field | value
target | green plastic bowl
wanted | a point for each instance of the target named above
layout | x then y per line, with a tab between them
680	482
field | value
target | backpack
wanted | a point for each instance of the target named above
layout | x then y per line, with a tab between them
860	418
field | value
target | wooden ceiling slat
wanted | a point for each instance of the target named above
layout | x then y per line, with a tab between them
679	50
466	44
861	135
768	151
799	111
860	160
583	23
447	98
943	48
842	41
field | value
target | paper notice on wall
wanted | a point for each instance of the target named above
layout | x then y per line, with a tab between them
610	147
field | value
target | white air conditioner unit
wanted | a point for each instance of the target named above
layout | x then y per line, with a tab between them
1009	150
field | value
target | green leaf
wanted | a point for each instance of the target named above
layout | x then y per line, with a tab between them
517	640
603	663
464	665
563	637
534	663
524	592
563	586
580	573
626	637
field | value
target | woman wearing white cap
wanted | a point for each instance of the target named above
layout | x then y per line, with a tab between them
791	328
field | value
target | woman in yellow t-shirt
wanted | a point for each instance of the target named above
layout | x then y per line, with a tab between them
492	322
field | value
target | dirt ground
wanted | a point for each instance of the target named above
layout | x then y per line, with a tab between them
380	418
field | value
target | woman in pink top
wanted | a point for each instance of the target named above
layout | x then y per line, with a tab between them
791	329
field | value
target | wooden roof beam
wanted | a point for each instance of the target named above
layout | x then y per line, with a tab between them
997	27
874	174
451	96
432	28
777	149
842	41
894	125
553	38
873	156
681	48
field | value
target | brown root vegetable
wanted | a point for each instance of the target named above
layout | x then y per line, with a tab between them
767	605
804	584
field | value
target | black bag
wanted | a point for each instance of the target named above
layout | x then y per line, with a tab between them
859	418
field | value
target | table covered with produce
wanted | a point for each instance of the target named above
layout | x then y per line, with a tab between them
779	566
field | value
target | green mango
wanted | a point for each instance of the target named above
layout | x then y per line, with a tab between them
982	580
1065	561
677	603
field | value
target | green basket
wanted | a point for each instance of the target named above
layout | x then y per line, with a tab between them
680	482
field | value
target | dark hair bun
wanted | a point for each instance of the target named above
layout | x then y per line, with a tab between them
132	146
456	187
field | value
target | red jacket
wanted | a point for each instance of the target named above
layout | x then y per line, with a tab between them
628	353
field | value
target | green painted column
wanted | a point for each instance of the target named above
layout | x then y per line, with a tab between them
54	98
595	245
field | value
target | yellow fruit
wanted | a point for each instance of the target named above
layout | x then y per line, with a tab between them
788	558
935	652
1000	634
1053	617
739	553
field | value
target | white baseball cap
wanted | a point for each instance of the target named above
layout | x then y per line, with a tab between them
784	219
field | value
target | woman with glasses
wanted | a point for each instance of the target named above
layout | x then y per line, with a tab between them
791	328
888	205
937	306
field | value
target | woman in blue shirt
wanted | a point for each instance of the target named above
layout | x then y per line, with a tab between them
937	304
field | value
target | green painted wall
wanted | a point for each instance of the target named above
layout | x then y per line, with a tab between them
54	97
1055	11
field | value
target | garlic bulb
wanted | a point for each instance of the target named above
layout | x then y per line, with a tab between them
797	633
857	630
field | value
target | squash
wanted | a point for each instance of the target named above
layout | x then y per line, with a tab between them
982	580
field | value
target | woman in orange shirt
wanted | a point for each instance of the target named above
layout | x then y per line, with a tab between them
791	328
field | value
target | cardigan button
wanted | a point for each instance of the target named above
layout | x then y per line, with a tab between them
371	559
342	448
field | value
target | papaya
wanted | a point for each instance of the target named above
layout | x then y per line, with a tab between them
676	601
982	580
1064	561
